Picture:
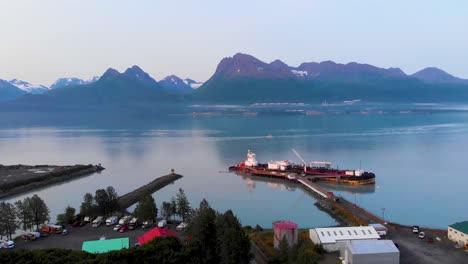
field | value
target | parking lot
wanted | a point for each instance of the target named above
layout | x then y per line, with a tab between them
414	250
77	235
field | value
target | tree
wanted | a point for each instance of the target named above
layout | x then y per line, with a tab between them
8	223
38	209
67	217
233	242
166	210
70	214
173	207
113	199
202	229
23	214
102	202
87	206
304	254
284	251
146	208
183	205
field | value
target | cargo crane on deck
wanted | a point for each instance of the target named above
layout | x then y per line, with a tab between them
303	161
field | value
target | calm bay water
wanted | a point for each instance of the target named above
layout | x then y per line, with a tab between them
419	159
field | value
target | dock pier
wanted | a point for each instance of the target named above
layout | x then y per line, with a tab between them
134	196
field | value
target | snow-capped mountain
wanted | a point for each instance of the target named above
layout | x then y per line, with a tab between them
192	83
175	85
64	82
29	88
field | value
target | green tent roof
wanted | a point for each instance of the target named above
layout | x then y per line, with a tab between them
103	246
462	227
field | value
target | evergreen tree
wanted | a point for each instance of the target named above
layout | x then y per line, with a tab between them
202	229
87	206
183	205
8	223
173	208
146	208
166	210
38	210
233	242
284	251
102	202
113	199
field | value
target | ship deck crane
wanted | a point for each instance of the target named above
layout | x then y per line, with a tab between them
303	161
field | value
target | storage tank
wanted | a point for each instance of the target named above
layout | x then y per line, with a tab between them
285	229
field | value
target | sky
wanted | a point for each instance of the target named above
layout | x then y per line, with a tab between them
41	41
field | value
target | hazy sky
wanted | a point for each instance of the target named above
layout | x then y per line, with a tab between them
42	40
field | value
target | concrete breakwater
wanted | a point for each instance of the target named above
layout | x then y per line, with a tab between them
134	196
18	179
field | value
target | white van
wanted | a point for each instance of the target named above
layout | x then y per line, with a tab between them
98	221
7	244
111	220
162	223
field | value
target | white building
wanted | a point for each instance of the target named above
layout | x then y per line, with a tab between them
369	252
330	236
458	233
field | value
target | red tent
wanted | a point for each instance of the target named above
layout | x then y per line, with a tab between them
155	232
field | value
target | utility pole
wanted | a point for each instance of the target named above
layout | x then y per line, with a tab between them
355	217
383	214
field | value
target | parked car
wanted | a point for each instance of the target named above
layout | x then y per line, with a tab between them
181	226
415	229
123	228
88	219
422	235
147	224
430	240
162	223
76	224
31	236
117	227
65	232
82	223
133	223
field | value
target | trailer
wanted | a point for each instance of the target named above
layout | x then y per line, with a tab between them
112	220
124	220
98	221
52	229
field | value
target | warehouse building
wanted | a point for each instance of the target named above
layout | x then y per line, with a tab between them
330	236
369	252
458	233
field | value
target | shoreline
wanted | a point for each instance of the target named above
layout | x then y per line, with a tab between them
55	175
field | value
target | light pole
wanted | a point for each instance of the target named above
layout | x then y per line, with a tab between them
383	214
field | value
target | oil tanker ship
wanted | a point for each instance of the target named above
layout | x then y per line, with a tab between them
316	170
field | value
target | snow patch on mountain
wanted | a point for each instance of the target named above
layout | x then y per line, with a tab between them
192	83
28	87
300	73
72	81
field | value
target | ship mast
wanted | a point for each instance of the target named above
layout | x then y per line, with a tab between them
303	161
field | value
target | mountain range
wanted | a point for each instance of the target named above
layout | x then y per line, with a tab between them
246	79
